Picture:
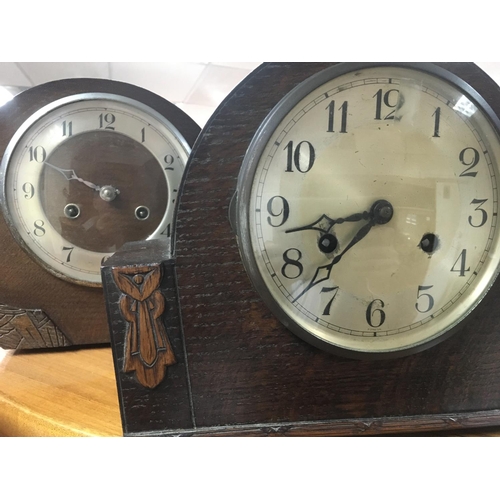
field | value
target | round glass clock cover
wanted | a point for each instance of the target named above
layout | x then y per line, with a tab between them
86	174
367	207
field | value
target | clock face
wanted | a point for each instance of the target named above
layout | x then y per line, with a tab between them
367	207
86	174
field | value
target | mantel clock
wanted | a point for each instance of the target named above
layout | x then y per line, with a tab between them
338	222
367	207
87	166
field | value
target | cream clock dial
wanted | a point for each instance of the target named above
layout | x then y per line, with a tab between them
367	207
87	173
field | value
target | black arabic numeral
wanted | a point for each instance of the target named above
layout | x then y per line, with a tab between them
67	128
106	120
430	299
385	98
371	312
28	190
474	160
331	117
334	289
437	118
39	229
302	157
68	258
37	154
462	258
284	210
291	262
166	231
169	160
484	214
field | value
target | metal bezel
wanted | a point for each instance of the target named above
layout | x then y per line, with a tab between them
240	207
39	114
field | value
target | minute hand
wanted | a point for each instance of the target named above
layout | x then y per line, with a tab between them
357	238
71	175
323	272
380	213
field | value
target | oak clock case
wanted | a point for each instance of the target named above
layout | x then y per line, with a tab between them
240	369
87	166
367	207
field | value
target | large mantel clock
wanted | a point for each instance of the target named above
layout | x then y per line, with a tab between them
338	223
366	208
87	166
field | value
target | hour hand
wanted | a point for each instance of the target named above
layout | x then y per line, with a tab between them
324	224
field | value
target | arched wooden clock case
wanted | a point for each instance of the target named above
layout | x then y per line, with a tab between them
239	370
37	308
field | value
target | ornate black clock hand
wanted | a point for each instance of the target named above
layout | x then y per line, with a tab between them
380	213
330	222
326	270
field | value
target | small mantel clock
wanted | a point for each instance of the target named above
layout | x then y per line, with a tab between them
87	166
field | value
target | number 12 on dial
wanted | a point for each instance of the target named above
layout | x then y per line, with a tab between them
367	207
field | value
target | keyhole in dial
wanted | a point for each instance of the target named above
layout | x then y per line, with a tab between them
327	243
141	213
71	211
429	243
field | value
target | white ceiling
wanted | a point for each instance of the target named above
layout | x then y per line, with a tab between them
196	87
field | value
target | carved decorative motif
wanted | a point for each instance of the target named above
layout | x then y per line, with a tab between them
147	349
28	329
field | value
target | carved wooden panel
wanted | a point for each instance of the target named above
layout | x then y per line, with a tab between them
29	329
147	349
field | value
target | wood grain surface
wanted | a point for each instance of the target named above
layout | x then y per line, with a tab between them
73	393
70	393
58	393
247	369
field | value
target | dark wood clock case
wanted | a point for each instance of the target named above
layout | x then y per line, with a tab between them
238	370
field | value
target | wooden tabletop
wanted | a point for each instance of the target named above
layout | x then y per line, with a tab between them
73	393
59	393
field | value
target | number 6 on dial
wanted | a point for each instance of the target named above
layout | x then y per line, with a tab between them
379	181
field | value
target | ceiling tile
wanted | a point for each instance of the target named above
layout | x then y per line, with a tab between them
200	114
173	81
11	74
242	65
492	68
215	84
41	72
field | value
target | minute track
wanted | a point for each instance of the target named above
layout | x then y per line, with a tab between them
373	162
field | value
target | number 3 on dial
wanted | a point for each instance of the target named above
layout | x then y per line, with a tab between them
358	200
